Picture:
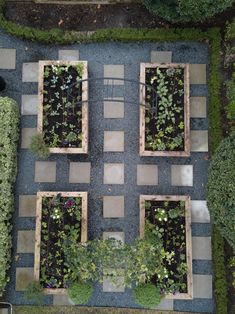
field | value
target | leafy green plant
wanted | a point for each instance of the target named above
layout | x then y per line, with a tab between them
232	267
80	292
221	189
34	293
39	147
147	295
9	135
187	10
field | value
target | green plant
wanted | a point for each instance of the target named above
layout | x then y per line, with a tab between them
187	10
9	134
80	292
232	267
147	295
39	147
34	293
230	30
221	189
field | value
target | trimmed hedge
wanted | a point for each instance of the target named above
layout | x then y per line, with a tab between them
9	133
80	292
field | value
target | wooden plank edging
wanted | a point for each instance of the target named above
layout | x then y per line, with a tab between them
188	234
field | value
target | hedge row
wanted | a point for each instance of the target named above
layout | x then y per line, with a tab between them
9	133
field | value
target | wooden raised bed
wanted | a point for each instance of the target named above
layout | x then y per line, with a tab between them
158	200
172	138
68	145
41	196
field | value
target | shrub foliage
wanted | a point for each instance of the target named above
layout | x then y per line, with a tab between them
38	146
147	295
221	189
187	10
9	133
80	293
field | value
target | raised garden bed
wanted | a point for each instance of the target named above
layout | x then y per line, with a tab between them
170	215
63	106
58	214
164	109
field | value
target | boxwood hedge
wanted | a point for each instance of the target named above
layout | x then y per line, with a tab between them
9	133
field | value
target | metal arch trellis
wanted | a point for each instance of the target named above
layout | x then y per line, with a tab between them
108	92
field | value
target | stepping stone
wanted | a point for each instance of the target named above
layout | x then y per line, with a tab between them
116	71
182	175
113	141
62	299
147	175
113	206
165	305
109	286
199	141
200	212
7	59
198	107
161	56
202	286
45	171
113	173
4	311
26	136
201	248
24	276
69	55
114	109
79	172
26	241
27	205
30	72
119	236
197	73
29	105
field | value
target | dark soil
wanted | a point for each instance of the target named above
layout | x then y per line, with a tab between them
62	108
158	121
88	17
173	235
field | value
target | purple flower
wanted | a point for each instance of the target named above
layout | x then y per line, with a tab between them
69	203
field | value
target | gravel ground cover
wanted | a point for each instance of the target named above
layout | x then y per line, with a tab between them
97	55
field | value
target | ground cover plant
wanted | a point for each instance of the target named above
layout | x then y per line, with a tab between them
61	216
62	105
9	134
166	221
165	110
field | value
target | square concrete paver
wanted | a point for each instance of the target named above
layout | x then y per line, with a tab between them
200	212
109	286
26	136
165	305
4	311
197	73
69	55
113	173
114	109
30	72
113	206
161	56
119	236
79	172
147	174
25	241
201	247
182	175
45	171
113	141
114	71
27	205
62	299
24	276
29	105
202	286
7	59
198	107
199	141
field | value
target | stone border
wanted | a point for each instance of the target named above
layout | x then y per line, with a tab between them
143	198
66	150
142	150
84	224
